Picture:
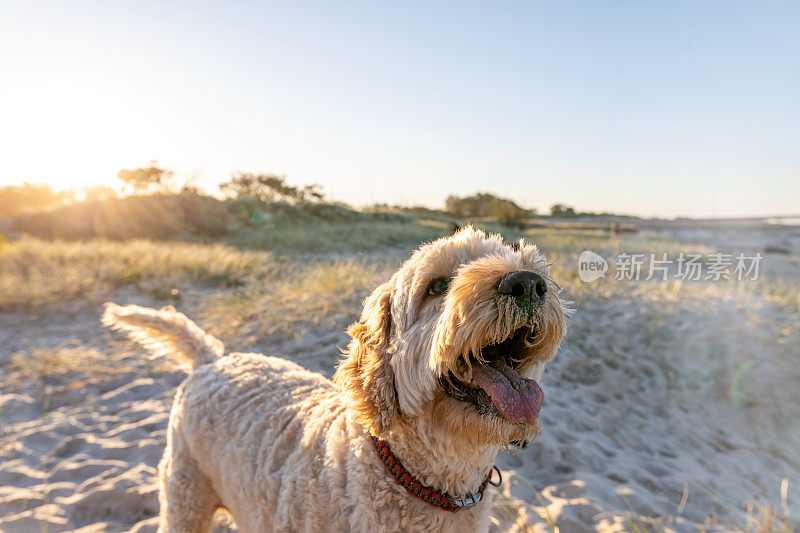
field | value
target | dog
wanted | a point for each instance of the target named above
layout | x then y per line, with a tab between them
440	374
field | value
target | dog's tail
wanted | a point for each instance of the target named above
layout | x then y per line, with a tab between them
165	332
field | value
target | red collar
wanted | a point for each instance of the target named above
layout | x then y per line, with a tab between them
410	483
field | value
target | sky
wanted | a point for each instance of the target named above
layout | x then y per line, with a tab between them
647	108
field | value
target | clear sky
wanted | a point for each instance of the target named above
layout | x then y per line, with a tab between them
650	108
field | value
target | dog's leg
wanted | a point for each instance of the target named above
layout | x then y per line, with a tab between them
188	500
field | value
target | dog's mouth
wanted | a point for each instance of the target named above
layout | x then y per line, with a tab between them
492	381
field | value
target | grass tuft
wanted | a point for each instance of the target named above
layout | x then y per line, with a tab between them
42	363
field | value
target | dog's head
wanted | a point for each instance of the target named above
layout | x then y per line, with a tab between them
458	337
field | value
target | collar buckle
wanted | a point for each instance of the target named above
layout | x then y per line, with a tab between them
466	503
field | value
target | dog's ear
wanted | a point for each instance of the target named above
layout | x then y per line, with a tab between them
454	228
365	373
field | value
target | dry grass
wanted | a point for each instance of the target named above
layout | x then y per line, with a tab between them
36	273
42	364
325	293
764	518
512	514
340	237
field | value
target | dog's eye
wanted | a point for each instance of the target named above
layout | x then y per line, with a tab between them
439	286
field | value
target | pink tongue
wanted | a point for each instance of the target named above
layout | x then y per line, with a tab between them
518	399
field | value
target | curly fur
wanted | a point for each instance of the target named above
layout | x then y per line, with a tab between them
285	449
164	332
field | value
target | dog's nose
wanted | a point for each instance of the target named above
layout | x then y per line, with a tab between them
523	285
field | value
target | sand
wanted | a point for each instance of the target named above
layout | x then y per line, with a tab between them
663	411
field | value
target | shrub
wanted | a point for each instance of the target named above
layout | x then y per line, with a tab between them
269	188
485	205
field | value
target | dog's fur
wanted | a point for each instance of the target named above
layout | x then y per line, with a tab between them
285	449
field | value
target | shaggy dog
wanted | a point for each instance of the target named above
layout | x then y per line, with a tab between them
439	375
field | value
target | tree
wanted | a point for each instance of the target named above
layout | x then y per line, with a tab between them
151	178
510	214
477	205
563	211
269	188
312	193
484	205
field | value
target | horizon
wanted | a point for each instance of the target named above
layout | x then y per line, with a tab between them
665	111
76	195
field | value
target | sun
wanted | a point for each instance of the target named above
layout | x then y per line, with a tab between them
70	136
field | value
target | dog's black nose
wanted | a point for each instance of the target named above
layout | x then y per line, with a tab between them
523	285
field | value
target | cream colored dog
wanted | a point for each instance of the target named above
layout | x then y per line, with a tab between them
438	377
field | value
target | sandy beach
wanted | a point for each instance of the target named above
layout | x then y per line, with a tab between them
671	407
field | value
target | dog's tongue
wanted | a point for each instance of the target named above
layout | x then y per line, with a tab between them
518	399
